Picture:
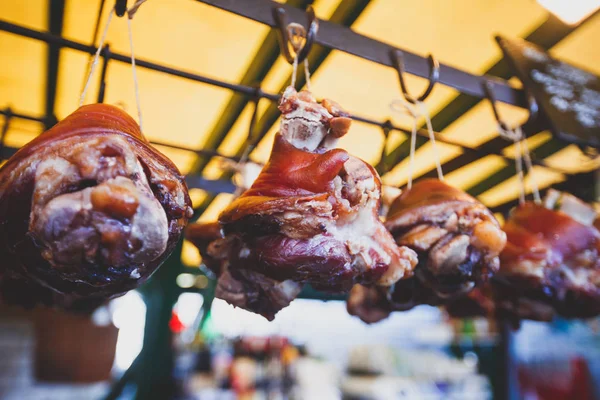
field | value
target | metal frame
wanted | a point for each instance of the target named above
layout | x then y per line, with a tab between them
337	37
253	92
162	292
547	35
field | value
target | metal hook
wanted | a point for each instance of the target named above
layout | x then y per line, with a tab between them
434	75
120	7
532	106
284	38
106	55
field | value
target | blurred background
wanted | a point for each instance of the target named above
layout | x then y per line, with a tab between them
172	339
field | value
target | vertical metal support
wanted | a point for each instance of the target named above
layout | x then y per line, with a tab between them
508	387
106	58
154	373
55	26
7	118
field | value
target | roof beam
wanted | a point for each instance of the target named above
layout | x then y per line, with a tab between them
543	151
582	185
55	26
547	35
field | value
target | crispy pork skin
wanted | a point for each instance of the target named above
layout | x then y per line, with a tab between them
312	214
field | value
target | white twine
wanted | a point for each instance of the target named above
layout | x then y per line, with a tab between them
529	165
133	71
294	71
307	74
521	152
436	154
415	111
96	58
413	144
130	14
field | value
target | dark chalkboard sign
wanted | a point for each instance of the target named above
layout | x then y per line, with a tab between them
569	96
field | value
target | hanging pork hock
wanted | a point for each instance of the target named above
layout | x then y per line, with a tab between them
457	238
551	259
311	216
89	208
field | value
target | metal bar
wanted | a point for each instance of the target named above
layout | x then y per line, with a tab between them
334	36
7	118
488	148
213	186
55	26
248	90
200	152
23	116
62	42
547	35
258	69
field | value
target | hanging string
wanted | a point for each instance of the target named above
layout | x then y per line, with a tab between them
294	71
436	154
521	153
94	39
307	74
514	136
519	168
133	71
419	109
527	156
96	58
413	144
403	106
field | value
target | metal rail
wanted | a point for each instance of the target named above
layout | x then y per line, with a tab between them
480	151
337	37
244	89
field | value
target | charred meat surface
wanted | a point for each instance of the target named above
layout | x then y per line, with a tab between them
89	208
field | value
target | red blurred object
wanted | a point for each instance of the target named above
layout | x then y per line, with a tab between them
175	323
549	383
